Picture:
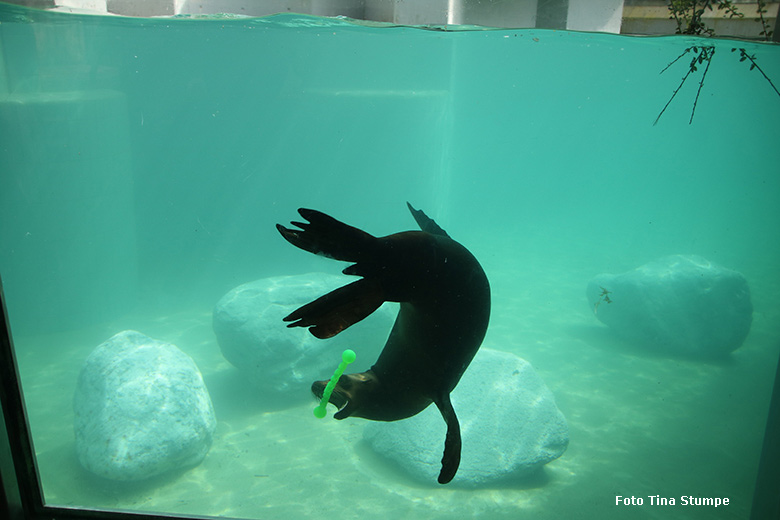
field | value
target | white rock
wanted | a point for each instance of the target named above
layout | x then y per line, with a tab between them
510	426
681	303
141	409
252	336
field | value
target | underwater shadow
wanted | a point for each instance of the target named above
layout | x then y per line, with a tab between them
379	467
91	490
602	338
124	489
233	394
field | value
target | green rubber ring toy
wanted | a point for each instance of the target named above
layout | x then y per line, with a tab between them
347	357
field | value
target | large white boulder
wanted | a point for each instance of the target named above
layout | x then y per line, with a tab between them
683	304
509	422
141	409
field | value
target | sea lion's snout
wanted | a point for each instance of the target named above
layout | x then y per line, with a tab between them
350	392
339	397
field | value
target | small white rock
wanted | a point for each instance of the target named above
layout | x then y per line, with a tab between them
286	361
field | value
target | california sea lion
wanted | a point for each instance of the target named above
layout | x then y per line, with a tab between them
445	307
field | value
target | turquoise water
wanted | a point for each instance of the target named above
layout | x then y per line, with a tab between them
143	164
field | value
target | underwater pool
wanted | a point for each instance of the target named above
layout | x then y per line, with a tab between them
144	163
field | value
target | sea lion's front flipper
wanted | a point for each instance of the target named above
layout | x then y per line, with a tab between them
425	222
324	235
451	459
330	314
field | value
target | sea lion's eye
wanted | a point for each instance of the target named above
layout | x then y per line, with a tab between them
345	382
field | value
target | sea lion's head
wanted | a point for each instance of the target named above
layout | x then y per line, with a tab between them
353	395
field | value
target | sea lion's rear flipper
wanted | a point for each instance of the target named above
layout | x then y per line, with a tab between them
425	222
451	459
324	235
330	314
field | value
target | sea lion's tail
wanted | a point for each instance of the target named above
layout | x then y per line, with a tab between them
452	443
324	235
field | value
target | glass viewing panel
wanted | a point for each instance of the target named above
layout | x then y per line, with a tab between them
618	192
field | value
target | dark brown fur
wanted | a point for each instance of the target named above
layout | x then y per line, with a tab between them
445	307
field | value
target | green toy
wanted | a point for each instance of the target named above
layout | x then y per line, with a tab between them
347	357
